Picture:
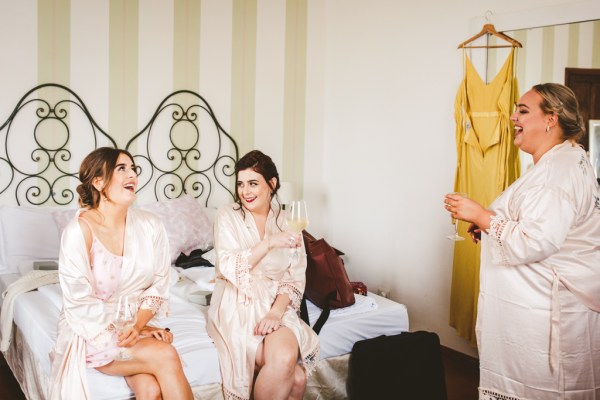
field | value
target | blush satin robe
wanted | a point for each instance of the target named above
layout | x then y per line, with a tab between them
243	296
538	325
144	276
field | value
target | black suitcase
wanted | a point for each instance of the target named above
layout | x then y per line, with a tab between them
406	366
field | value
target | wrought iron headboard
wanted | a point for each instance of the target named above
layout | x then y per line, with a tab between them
183	149
37	161
196	157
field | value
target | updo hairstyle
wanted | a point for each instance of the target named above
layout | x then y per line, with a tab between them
100	163
262	164
560	100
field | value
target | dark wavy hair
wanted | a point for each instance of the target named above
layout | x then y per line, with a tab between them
100	163
560	100
261	163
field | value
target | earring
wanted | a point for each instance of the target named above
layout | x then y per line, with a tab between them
547	128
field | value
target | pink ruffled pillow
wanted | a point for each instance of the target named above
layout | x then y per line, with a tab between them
186	222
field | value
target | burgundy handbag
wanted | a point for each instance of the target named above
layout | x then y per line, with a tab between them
327	283
326	274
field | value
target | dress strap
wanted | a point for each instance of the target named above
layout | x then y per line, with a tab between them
88	224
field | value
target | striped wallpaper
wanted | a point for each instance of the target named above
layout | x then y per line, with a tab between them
124	56
248	58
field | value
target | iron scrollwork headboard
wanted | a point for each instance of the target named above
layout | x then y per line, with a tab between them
38	160
183	149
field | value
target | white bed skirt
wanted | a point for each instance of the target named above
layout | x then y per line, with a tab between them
328	381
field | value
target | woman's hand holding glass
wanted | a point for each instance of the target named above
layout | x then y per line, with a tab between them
125	318
285	240
464	209
452	204
297	221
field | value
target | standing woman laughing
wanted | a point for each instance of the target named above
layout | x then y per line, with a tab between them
538	322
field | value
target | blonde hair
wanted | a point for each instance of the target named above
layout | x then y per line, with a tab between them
560	100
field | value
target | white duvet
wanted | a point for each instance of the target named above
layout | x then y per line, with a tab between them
36	314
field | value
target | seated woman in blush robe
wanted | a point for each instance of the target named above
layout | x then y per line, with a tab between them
110	250
265	349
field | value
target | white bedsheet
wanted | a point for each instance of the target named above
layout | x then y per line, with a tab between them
36	314
344	327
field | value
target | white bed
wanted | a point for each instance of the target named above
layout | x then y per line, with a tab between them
36	312
182	190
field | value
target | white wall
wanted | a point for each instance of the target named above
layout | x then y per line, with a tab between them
384	102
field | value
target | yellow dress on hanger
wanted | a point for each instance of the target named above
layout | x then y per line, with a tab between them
487	163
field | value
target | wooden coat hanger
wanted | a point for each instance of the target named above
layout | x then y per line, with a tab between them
488	29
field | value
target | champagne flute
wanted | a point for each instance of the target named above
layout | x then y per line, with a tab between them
456	237
125	318
297	220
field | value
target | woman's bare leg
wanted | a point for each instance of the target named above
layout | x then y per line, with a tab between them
279	376
144	386
156	358
299	386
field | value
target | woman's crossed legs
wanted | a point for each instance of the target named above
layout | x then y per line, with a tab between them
154	371
279	374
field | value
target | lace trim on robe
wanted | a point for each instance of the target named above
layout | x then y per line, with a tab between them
293	292
229	395
311	360
242	272
486	394
155	304
104	338
497	225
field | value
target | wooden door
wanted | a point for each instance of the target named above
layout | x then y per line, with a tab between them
586	85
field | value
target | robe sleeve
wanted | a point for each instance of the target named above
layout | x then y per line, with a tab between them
294	280
232	259
84	312
155	298
545	216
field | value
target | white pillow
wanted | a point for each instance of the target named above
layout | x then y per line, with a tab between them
27	234
187	225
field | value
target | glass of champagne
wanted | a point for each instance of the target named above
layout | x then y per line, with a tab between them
125	318
297	220
456	237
